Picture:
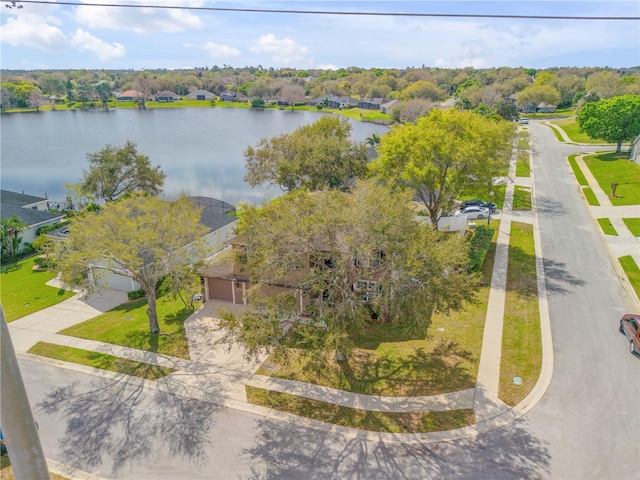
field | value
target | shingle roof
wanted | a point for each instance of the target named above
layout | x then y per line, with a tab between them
19	199
28	215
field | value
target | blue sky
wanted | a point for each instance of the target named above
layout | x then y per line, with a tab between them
98	37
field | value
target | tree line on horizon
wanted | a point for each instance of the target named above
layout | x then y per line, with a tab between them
418	88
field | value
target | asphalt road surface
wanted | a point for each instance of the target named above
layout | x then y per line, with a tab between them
587	426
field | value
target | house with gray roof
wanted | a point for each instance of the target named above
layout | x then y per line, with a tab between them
32	210
166	96
200	95
217	215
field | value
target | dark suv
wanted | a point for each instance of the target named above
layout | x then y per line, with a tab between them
630	326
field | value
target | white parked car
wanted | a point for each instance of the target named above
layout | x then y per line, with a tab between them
473	212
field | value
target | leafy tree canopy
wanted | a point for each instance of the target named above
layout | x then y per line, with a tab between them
117	171
144	237
534	95
615	120
445	155
355	257
315	156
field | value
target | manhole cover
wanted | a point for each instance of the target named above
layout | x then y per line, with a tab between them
128	318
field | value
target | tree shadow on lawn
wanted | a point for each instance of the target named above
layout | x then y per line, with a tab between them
287	451
119	422
420	373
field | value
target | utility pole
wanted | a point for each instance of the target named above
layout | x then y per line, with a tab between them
18	425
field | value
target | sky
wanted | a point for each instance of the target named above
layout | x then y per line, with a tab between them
54	36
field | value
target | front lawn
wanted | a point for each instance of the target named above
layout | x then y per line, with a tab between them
100	360
572	129
389	361
24	290
633	224
615	167
128	325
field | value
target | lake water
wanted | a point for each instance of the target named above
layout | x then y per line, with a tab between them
199	149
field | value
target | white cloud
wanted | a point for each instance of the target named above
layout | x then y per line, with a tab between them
215	50
139	20
34	32
85	42
283	51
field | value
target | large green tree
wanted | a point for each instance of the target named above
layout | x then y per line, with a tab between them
615	120
315	156
355	257
146	237
445	155
536	94
115	171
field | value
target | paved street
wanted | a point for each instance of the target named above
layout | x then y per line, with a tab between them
587	425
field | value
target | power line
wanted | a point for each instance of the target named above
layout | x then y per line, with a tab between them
20	3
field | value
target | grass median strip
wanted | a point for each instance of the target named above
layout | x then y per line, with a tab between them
100	360
523	168
577	171
632	270
607	226
591	197
521	338
413	422
521	198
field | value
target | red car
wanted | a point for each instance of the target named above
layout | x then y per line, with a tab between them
630	326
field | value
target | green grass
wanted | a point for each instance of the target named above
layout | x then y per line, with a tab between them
521	198
615	167
591	197
630	267
633	224
6	470
607	227
387	360
523	169
24	290
560	112
523	140
572	129
558	135
521	338
100	360
414	422
128	325
577	171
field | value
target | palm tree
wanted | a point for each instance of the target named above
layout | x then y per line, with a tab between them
10	229
373	140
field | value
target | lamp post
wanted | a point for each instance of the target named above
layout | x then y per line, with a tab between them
491	193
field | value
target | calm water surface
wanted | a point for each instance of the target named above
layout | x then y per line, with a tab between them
200	150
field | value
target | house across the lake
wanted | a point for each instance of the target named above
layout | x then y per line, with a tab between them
32	210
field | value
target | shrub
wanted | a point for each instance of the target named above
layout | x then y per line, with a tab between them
136	294
479	246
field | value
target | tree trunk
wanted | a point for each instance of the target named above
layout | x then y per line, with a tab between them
151	311
619	149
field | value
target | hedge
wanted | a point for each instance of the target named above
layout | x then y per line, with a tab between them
479	246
